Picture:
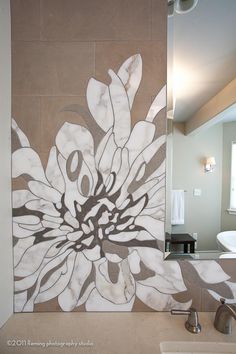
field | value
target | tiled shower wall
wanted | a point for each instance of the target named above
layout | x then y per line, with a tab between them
57	46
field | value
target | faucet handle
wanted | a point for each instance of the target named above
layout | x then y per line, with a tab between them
192	324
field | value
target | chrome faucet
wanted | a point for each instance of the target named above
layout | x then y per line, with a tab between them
223	317
192	324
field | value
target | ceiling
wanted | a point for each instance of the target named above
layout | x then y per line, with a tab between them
201	55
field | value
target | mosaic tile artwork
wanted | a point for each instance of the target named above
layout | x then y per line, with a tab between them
89	229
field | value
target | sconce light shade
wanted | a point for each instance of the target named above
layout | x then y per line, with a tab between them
184	6
210	164
180	6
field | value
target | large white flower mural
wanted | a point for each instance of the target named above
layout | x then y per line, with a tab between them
90	228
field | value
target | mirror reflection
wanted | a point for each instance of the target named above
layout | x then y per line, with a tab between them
201	141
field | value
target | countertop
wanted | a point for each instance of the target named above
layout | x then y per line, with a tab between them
101	333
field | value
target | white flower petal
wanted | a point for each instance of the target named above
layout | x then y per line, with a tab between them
43	191
38	227
123	171
26	219
134	262
68	299
74	137
54	278
35	253
86	294
144	236
21	232
144	188
42	206
168	277
140	137
123	236
20	300
116	163
166	284
53	172
157	105
71	189
106	159
85	174
54	233
21	197
27	282
130	74
21	136
112	257
19	249
157	199
55	219
143	158
158	301
71	220
50	224
120	292
153	226
99	103
27	161
218	297
93	254
96	302
120	105
210	271
135	209
101	146
53	264
56	288
74	236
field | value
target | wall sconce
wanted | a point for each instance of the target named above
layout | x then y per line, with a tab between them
181	6
210	164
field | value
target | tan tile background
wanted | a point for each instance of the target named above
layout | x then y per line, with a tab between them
57	46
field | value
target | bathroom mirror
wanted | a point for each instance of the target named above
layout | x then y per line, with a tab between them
201	132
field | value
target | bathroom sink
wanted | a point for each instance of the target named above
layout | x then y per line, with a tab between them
197	348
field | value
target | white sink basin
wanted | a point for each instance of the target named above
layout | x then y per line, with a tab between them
197	348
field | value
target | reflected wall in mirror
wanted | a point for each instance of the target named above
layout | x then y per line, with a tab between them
201	192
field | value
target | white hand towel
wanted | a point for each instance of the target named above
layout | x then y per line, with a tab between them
177	207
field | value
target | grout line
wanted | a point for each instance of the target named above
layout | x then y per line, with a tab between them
46	95
94	59
84	41
151	19
40	20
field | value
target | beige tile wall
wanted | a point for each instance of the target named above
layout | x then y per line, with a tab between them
57	45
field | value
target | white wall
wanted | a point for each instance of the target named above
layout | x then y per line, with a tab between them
228	221
202	214
6	277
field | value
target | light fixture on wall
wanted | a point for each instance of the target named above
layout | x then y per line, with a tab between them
181	6
210	164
